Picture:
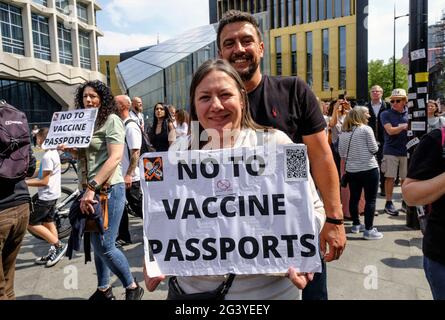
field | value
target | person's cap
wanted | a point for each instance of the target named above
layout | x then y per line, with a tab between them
398	93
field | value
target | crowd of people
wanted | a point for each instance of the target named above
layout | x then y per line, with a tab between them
231	95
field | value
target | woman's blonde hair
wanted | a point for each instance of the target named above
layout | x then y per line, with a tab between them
356	117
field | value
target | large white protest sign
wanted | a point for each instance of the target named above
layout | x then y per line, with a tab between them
73	128
213	212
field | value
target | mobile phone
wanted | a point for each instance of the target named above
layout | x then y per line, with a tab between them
341	96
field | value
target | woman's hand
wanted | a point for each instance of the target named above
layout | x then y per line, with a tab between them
87	202
152	283
73	151
299	279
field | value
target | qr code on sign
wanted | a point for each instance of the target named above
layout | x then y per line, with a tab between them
296	164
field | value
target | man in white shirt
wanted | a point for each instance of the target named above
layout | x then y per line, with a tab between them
136	112
130	170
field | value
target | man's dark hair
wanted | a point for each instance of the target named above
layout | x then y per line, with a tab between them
233	16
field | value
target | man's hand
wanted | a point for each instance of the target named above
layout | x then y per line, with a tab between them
334	235
128	181
299	279
152	283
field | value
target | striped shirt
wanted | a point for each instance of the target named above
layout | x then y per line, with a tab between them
362	150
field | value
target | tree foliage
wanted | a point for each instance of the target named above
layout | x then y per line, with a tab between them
382	74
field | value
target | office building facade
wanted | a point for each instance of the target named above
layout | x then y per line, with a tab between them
47	48
325	42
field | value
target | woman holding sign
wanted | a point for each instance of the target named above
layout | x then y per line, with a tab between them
101	171
219	103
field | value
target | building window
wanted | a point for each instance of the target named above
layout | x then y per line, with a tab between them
342	57
30	98
293	55
84	46
321	11
65	47
40	37
305	11
283	13
12	29
297	10
313	10
274	22
63	6
337	8
82	12
329	9
325	59
309	58
346	8
41	2
278	14
278	51
290	18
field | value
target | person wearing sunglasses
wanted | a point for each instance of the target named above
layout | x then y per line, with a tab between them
395	123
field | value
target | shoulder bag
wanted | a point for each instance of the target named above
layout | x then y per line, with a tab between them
345	178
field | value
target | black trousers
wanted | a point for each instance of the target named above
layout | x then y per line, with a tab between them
134	207
317	289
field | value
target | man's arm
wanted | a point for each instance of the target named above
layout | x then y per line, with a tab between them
325	175
395	130
134	157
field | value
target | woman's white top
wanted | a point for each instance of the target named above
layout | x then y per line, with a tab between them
362	150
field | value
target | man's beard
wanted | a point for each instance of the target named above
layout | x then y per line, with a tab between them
253	66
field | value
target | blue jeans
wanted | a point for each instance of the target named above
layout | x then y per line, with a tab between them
106	256
369	182
435	274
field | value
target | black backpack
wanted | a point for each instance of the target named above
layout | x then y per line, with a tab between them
146	145
14	142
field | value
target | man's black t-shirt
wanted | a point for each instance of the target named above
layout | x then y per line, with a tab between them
428	162
287	104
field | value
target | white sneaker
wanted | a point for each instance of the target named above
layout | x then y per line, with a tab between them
57	255
372	234
44	259
358	228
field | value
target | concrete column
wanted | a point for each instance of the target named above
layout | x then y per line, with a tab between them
27	30
75	45
91	15
53	37
93	51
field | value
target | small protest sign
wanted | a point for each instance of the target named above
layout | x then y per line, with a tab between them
72	128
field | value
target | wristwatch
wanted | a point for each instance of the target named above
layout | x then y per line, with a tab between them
92	185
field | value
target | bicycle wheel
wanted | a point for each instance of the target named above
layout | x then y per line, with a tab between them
64	167
62	211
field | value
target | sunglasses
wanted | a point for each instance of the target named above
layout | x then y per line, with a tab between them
397	101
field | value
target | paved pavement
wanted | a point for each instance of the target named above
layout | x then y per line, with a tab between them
387	269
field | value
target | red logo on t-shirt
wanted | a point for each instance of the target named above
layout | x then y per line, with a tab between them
274	112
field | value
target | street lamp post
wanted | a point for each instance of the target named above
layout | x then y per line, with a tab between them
394	52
